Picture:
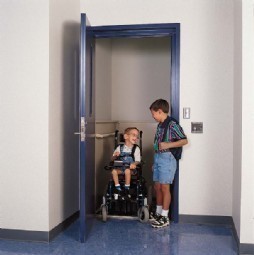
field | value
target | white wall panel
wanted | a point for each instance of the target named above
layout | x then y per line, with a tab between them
247	187
206	79
140	74
103	79
24	95
64	27
237	152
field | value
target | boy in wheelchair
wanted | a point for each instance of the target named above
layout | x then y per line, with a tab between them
130	196
126	158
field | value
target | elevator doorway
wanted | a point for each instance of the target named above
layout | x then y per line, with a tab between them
130	73
121	34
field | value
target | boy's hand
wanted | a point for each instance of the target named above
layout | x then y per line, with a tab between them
133	166
164	146
116	154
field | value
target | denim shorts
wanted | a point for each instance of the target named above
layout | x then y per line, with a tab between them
123	168
164	168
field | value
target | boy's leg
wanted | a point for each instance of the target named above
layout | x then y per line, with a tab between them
127	173
115	176
165	188
115	173
163	198
159	196
158	192
159	202
167	169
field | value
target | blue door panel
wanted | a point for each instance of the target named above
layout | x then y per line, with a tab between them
87	128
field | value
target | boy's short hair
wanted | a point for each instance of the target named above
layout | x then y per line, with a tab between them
160	104
127	130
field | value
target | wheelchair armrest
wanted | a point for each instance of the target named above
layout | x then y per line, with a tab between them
115	164
120	163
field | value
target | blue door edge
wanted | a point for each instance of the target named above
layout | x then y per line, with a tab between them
82	199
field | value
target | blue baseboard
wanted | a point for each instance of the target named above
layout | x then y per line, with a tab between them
206	219
243	248
246	248
37	236
24	235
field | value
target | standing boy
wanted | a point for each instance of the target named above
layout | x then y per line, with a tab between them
168	142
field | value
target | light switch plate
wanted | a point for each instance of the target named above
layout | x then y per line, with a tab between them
186	112
196	127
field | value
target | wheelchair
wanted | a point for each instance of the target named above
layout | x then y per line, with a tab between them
135	204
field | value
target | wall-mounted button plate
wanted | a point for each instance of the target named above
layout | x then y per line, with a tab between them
196	127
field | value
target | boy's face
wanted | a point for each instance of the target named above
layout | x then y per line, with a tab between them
157	115
132	136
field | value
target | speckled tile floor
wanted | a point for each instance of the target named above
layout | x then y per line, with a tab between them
128	236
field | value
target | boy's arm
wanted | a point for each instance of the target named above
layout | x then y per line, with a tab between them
137	157
114	156
134	165
178	134
116	153
169	145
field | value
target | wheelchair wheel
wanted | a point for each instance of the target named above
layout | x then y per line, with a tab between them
104	212
143	214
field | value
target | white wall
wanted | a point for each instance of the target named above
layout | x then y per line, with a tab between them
24	96
243	189
125	69
38	111
64	27
206	87
103	79
140	75
247	180
237	146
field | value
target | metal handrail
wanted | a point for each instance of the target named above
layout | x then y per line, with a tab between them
101	136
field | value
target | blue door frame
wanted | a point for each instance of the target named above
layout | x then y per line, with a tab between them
155	30
171	30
